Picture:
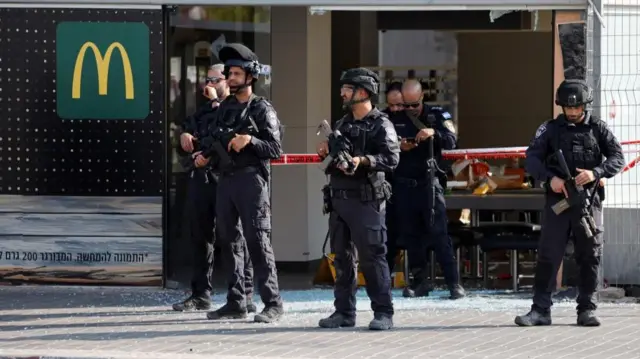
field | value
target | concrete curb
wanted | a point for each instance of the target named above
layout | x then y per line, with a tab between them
88	354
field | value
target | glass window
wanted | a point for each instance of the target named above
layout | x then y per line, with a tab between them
196	35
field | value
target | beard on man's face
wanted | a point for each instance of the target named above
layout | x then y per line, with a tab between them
574	118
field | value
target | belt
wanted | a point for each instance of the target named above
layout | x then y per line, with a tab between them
365	193
243	170
409	182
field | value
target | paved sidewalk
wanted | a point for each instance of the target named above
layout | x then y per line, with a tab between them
68	322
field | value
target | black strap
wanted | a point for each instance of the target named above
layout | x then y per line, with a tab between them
416	122
245	112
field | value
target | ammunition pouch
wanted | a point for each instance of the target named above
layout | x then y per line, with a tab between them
584	227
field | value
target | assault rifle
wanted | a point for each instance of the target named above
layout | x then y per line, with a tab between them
432	168
577	197
216	145
339	149
218	140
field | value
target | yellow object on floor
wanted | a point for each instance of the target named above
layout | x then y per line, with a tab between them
326	272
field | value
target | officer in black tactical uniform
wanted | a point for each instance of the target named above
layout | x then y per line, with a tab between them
249	132
585	141
421	213
358	193
201	199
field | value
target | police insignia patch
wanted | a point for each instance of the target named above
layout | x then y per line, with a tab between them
541	130
272	119
448	124
271	116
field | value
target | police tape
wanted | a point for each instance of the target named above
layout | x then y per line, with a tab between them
471	153
296	159
631	164
504	152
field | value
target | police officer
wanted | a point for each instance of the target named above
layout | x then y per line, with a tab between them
585	141
243	192
201	199
418	190
395	106
358	199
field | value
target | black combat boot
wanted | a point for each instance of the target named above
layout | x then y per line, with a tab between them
533	318
456	292
269	314
337	320
421	286
381	322
251	308
228	311
588	319
194	302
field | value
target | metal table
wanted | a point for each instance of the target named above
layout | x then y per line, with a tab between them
500	200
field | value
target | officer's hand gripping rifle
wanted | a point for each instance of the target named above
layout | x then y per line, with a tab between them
220	136
339	148
213	145
577	197
187	160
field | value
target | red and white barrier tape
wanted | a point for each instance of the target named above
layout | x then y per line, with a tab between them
472	153
631	164
502	152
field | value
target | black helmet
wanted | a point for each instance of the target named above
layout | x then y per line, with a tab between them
238	55
363	78
573	93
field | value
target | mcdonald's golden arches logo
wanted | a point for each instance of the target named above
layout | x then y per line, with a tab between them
102	70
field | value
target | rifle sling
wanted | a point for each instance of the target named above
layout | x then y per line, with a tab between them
416	122
245	113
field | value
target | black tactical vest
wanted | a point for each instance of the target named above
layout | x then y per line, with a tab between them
579	143
361	136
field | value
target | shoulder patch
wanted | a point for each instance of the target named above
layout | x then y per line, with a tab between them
448	124
271	115
391	136
542	129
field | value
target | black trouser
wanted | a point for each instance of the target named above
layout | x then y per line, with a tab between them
356	225
392	236
201	204
556	232
244	195
419	227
